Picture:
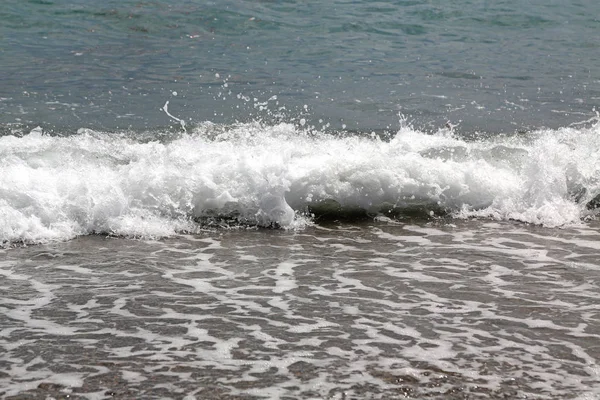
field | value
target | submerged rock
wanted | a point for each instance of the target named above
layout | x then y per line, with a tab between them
594	203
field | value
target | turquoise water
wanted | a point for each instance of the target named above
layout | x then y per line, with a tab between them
492	66
299	199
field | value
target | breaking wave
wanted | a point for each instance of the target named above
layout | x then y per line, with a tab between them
283	175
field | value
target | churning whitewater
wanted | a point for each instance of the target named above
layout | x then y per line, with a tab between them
56	188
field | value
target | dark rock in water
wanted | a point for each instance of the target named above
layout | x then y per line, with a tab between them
579	195
330	210
594	203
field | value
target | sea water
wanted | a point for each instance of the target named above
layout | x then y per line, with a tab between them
320	200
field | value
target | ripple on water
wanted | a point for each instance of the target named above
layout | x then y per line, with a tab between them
376	310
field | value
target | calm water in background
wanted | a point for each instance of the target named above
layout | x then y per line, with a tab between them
492	66
264	199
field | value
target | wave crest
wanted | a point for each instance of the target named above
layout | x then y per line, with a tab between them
60	187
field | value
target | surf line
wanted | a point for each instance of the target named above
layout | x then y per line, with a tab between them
181	122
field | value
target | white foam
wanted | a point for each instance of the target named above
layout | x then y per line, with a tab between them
55	188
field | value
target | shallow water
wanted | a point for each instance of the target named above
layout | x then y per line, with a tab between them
462	310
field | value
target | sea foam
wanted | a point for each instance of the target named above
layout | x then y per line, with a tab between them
56	188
